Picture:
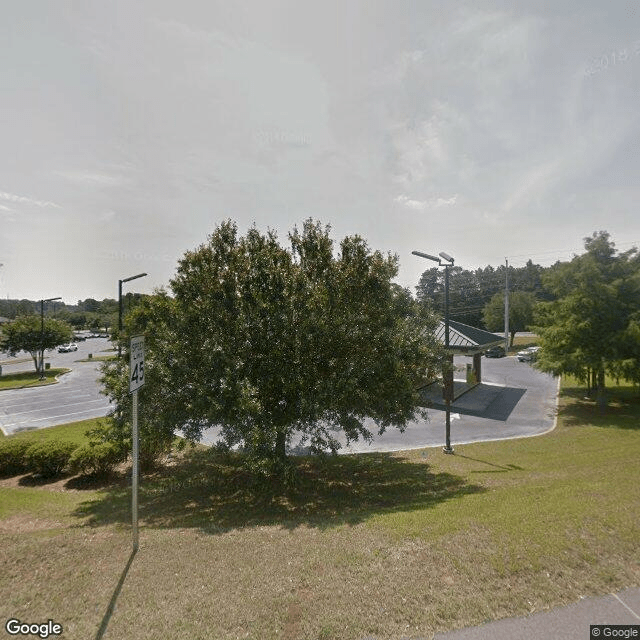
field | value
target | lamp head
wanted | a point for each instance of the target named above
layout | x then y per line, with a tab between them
425	255
446	256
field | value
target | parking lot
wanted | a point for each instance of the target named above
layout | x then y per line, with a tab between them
514	400
75	397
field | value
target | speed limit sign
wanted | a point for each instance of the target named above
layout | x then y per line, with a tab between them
136	363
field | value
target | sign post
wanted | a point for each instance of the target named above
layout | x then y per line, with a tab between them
136	380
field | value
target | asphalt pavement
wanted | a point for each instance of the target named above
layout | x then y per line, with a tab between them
589	618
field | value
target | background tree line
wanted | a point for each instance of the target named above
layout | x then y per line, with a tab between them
586	311
86	314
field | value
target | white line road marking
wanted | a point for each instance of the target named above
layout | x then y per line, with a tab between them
626	606
63	415
33	407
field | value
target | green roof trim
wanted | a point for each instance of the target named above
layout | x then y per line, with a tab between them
463	336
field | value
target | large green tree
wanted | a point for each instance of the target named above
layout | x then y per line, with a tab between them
275	344
590	329
521	310
25	334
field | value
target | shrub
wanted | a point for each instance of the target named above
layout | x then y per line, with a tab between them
49	457
12	455
95	458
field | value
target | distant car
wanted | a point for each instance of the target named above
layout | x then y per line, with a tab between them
495	352
527	355
79	338
65	348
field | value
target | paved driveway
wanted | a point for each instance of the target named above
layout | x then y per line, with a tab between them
75	397
514	401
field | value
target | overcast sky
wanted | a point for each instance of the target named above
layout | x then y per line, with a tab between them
487	130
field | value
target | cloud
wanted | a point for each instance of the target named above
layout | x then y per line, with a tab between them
11	197
411	204
421	205
92	178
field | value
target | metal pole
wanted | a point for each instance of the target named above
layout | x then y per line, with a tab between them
449	372
41	339
134	473
119	318
506	307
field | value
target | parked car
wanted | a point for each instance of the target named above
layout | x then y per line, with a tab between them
527	355
65	348
79	338
495	352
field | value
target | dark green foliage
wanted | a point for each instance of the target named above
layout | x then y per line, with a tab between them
592	327
26	333
12	456
49	458
521	312
96	458
272	343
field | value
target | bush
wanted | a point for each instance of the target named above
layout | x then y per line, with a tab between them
12	456
49	457
95	458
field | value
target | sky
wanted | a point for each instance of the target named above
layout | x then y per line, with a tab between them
488	130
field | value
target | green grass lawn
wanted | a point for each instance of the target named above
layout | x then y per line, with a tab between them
381	545
30	378
99	358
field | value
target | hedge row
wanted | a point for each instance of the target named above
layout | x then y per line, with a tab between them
49	458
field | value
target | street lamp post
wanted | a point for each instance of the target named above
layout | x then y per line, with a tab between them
448	372
42	333
140	275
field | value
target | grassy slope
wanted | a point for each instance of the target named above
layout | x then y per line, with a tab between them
382	545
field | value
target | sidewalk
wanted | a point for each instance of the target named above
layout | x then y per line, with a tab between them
565	623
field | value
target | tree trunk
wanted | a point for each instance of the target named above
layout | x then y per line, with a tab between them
601	394
281	444
513	336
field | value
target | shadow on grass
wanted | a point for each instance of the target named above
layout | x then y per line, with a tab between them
622	411
498	468
114	598
215	494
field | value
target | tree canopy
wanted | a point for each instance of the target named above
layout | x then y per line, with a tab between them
521	312
25	334
593	326
276	344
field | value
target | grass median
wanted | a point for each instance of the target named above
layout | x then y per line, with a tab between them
380	545
30	378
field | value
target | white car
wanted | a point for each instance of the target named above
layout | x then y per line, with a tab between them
65	348
528	354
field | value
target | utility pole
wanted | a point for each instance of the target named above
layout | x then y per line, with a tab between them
506	306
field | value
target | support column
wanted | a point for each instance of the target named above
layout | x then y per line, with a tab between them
477	366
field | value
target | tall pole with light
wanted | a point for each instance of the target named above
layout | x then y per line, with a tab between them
140	275
446	261
42	333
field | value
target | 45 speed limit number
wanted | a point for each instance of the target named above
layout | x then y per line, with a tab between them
136	364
